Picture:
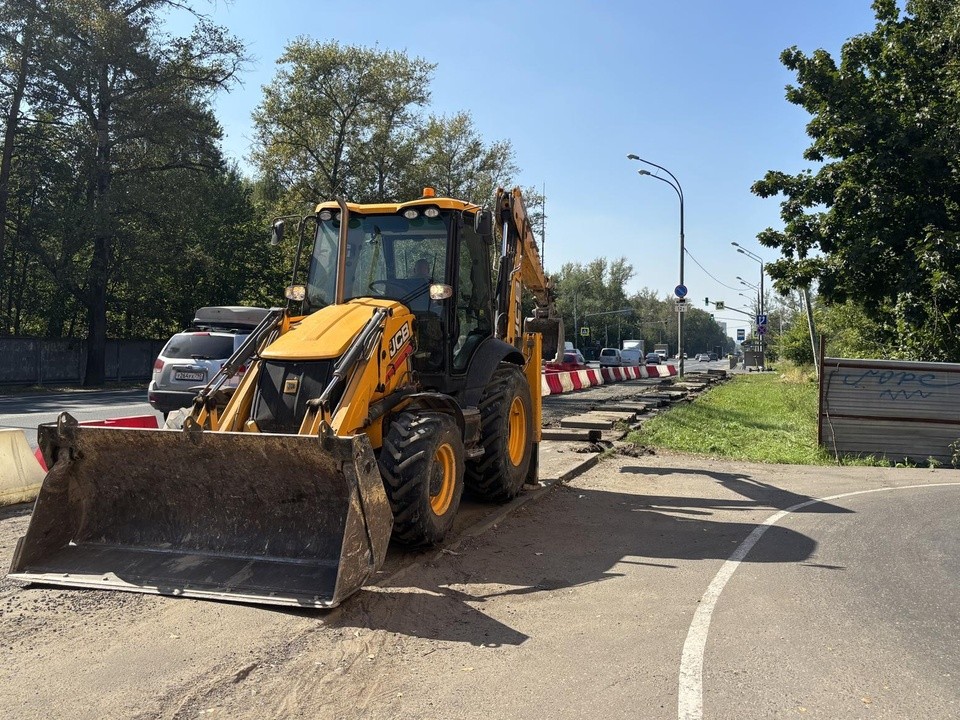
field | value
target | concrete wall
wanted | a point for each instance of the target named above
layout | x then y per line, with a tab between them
895	410
39	361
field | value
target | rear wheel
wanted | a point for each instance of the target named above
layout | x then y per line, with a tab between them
506	435
422	467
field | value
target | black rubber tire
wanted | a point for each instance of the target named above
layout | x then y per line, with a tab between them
495	476
416	450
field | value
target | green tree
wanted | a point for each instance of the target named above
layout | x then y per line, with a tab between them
352	121
135	103
340	120
878	224
18	44
458	163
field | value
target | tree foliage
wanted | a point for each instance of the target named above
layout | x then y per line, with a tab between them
591	293
340	120
353	121
878	224
121	215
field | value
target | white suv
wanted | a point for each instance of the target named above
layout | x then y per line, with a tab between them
192	357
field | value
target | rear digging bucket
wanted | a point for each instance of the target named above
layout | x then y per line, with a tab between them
246	517
551	332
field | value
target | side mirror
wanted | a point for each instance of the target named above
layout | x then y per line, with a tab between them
277	232
483	223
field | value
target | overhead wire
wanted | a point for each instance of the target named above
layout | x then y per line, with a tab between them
719	282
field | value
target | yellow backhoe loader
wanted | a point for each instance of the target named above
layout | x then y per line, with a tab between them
400	370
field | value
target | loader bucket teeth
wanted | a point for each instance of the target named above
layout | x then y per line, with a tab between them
247	517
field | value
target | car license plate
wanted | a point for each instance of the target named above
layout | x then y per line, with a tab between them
189	375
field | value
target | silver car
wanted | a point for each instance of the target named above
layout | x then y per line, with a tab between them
192	357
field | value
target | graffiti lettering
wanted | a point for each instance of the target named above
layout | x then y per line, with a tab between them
897	395
895	378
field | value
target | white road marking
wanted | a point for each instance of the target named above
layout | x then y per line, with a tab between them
690	695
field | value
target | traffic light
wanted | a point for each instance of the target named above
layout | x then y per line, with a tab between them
706	302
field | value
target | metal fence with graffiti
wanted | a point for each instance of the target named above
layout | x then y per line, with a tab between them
892	409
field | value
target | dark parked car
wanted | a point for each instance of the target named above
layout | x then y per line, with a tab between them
654	359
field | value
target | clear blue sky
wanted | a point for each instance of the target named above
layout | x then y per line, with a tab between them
695	86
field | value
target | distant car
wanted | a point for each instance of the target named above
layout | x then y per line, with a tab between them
610	357
703	357
630	357
654	359
712	356
572	360
192	357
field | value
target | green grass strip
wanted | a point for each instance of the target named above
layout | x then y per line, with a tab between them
768	417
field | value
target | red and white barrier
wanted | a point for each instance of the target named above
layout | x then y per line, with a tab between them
134	421
553	383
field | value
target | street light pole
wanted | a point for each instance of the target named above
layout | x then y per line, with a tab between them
679	190
576	331
753	256
576	336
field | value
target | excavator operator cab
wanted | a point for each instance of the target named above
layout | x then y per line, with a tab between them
431	259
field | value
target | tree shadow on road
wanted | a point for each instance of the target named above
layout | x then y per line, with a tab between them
574	537
755	493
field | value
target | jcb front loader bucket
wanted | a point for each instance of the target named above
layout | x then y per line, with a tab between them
246	517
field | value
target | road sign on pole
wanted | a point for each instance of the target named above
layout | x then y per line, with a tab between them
761	320
680	291
681	305
761	329
584	332
741	334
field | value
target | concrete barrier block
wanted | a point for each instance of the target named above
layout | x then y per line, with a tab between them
20	474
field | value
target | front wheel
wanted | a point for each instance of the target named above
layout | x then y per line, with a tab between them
506	435
422	467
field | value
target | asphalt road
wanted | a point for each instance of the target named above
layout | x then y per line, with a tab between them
25	412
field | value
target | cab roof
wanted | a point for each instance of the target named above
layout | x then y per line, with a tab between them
443	203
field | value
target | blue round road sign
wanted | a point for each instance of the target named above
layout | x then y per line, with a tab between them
680	291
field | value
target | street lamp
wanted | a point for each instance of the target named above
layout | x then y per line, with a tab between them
756	258
576	332
679	190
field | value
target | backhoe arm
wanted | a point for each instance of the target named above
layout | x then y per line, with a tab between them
521	267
